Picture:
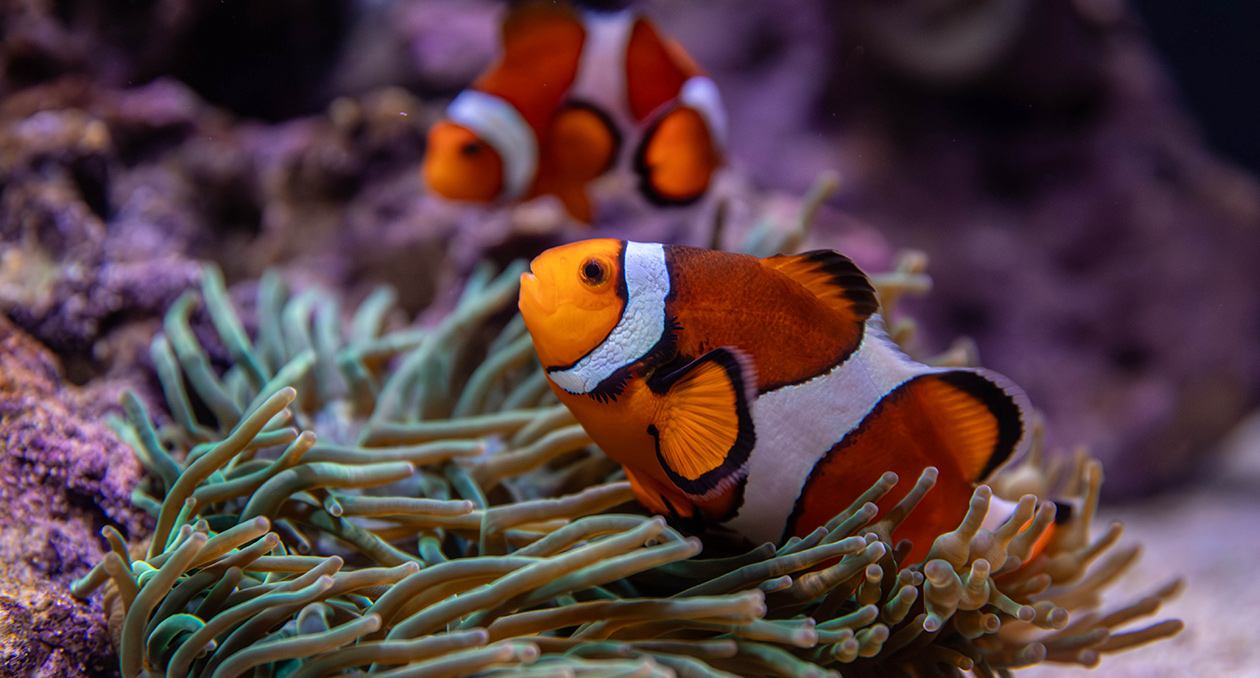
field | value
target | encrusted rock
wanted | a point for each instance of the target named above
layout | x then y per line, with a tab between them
62	475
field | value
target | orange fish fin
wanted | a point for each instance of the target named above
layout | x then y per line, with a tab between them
579	146
575	202
656	69
581	143
978	421
677	158
704	431
542	45
655	497
832	277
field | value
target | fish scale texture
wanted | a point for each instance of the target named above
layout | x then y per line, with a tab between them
640	327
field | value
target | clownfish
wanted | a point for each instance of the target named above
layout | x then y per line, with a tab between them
575	97
761	394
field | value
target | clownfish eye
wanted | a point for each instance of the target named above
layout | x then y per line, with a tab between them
594	272
470	149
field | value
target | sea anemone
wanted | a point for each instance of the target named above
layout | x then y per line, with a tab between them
415	503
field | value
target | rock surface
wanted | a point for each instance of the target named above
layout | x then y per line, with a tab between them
63	475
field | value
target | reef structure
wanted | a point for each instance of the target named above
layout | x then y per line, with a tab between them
61	472
344	500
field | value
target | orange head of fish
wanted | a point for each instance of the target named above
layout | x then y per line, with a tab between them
571	298
460	165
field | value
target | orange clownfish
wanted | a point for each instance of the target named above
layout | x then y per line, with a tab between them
762	394
573	98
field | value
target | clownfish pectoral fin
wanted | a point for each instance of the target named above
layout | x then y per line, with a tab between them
832	277
575	202
656	69
704	430
677	158
657	498
542	46
582	142
979	422
580	145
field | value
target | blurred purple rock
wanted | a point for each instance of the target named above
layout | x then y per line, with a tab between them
1077	227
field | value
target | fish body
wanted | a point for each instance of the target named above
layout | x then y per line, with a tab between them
575	97
762	394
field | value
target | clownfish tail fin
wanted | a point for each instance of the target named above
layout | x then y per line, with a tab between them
979	415
704	430
832	277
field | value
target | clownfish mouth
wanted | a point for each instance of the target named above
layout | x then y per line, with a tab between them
533	300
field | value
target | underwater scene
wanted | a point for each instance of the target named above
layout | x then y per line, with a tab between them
608	339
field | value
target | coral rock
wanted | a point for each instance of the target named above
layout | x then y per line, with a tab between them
61	475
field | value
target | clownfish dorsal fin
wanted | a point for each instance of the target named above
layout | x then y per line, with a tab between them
980	422
704	431
542	45
832	277
656	69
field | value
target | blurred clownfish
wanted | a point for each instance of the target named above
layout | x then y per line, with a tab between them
759	393
571	99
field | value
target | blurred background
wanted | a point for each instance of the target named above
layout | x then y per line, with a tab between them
1081	174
